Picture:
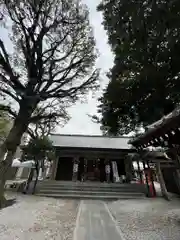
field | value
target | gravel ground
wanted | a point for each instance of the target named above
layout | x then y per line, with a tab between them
39	218
33	217
146	219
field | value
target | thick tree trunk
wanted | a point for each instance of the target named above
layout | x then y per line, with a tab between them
3	151
11	143
4	167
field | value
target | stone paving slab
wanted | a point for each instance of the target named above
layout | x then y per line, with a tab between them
32	218
41	218
148	219
94	222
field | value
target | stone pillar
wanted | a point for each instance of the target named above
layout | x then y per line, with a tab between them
116	177
48	170
19	173
161	181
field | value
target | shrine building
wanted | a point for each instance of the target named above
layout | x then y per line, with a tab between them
91	154
164	133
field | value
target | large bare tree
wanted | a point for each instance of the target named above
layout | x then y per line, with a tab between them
53	60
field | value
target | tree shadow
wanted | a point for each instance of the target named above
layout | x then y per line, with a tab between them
8	203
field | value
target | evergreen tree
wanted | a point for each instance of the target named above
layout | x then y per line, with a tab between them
144	81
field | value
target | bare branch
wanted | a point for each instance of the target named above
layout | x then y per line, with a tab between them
55	58
6	66
45	117
31	133
10	94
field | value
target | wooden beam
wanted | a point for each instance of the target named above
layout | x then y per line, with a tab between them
168	166
98	154
160	161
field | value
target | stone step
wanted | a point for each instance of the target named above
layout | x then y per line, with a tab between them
92	197
49	191
87	184
89	190
83	185
81	188
95	186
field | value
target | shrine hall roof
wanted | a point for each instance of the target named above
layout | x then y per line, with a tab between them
90	141
165	125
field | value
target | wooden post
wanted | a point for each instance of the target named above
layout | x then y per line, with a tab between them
177	164
152	179
75	169
178	178
176	161
128	168
54	168
139	171
162	183
146	177
85	169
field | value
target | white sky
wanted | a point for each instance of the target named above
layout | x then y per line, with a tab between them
80	122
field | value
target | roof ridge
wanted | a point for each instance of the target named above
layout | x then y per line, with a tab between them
84	135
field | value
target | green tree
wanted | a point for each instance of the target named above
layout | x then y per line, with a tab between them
144	81
53	60
38	149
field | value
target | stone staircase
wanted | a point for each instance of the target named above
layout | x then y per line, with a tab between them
90	190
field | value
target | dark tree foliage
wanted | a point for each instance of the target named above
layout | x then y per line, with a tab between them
38	149
145	81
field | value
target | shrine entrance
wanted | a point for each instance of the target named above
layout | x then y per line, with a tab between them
89	170
93	170
86	165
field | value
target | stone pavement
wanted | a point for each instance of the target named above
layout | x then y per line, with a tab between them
95	222
32	218
148	219
41	218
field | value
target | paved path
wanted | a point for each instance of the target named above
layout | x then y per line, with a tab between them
95	222
33	217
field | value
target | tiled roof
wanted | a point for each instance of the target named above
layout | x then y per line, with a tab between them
167	123
86	141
